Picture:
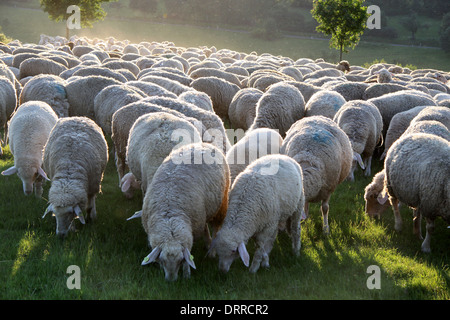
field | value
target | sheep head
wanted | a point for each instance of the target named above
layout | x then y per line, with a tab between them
171	256
64	217
28	175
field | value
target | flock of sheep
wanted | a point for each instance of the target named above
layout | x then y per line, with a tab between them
301	128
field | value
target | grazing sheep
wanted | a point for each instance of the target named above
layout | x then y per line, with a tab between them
325	155
111	99
169	84
324	103
152	137
393	103
362	123
189	190
151	89
398	125
82	91
279	107
220	91
242	109
441	114
75	158
255	144
29	129
428	126
214	125
197	98
36	66
8	102
349	90
214	72
417	170
122	121
380	89
99	71
47	88
265	197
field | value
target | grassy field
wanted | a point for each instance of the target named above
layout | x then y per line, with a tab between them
38	23
34	262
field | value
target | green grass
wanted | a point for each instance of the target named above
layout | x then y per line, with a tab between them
33	261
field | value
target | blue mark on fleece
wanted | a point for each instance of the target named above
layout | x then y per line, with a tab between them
60	90
322	136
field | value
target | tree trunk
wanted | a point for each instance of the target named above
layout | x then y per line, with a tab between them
340	52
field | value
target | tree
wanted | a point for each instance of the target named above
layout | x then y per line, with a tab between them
444	32
90	11
344	20
413	24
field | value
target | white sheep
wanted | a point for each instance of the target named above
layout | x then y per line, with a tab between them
255	144
47	88
266	196
8	102
28	131
279	108
41	65
152	138
324	103
363	124
189	190
417	173
242	109
75	159
325	155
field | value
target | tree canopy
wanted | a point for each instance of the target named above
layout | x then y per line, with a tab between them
90	10
344	20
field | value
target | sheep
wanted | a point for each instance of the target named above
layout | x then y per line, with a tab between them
35	66
111	99
428	126
47	88
220	91
324	103
28	131
306	89
172	74
197	98
171	85
393	103
214	125
121	123
398	125
349	90
242	110
379	89
121	64
363	124
214	72
75	159
441	114
152	137
265	197
151	89
189	190
99	71
82	91
417	171
278	108
325	155
8	102
255	144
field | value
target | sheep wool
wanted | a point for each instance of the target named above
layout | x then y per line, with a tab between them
29	129
325	155
265	197
189	190
75	158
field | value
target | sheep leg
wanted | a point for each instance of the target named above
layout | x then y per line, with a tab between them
417	224
91	211
430	229
264	243
38	186
398	218
296	229
324	208
368	164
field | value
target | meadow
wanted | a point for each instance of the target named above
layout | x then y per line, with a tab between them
109	251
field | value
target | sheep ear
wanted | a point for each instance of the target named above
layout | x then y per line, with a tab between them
382	198
79	214
126	185
49	209
10	171
357	157
151	256
244	254
188	257
43	174
137	214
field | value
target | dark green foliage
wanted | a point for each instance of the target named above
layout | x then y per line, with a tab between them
344	20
